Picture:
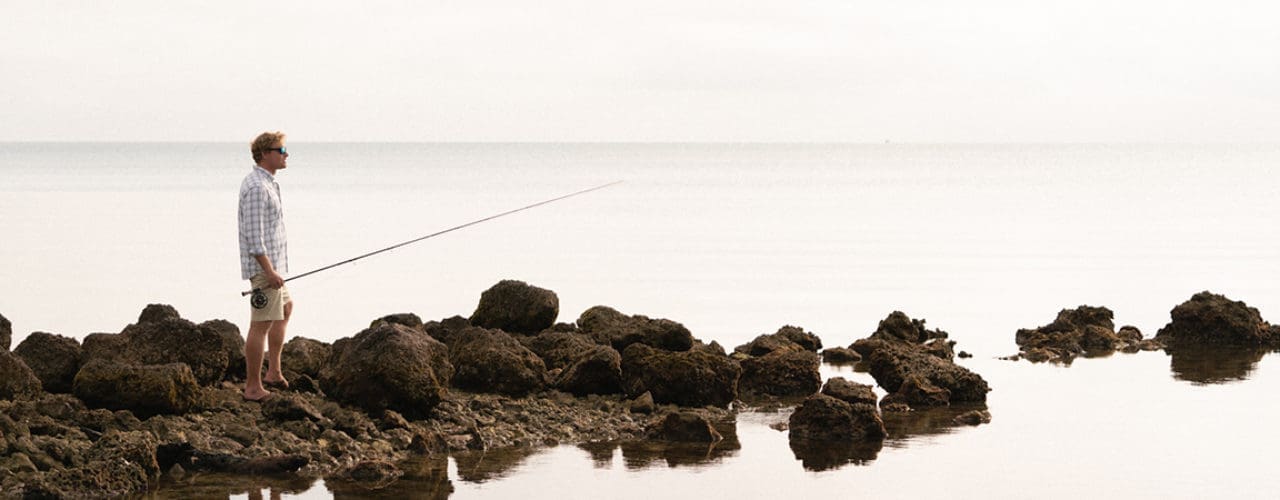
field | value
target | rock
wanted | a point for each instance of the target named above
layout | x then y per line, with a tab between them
516	307
781	373
388	367
840	355
304	356
690	378
6	333
824	418
898	327
892	366
374	474
918	392
608	326
849	391
1082	330
974	417
807	340
559	349
155	313
176	340
1129	333
17	381
104	346
642	404
1208	318
53	358
964	355
119	464
767	344
597	371
284	407
232	343
446	329
685	426
493	361
410	320
145	390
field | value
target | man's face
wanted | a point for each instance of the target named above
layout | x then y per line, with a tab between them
275	158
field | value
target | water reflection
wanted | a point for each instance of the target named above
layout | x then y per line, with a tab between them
902	427
481	466
425	478
1214	364
638	455
218	485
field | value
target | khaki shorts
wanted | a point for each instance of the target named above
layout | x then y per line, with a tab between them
273	310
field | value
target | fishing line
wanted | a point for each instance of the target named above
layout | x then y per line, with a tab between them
260	298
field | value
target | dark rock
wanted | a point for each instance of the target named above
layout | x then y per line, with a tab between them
516	307
155	313
685	426
973	417
119	464
849	391
610	327
597	371
1129	333
232	343
1085	329
284	407
388	367
898	327
691	378
304	356
840	355
824	418
807	340
17	381
104	346
446	329
767	344
1208	318
145	390
918	393
559	349
53	358
642	404
6	333
176	340
964	355
495	362
410	320
892	366
375	474
781	373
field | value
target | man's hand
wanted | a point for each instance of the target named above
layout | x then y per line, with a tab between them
274	280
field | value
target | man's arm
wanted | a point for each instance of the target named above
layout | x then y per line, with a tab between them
274	280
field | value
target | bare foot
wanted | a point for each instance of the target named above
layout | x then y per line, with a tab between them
256	396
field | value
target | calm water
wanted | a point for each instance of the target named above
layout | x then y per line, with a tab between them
732	241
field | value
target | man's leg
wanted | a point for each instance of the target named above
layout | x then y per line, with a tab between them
275	344
253	359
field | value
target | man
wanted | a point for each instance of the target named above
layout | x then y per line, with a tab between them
263	256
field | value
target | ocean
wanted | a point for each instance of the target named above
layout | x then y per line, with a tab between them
733	241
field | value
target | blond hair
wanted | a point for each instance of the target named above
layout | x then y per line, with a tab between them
264	142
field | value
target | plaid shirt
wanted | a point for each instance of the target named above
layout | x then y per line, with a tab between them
261	224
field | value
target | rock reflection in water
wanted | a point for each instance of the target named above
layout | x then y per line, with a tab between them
642	454
481	466
220	485
1210	364
901	426
425	478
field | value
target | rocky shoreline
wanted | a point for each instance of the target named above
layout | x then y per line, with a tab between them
160	401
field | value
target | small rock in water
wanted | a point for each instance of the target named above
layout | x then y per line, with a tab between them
975	417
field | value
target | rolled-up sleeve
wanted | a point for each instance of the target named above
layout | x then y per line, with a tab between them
253	221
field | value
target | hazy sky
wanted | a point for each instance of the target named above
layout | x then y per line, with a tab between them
848	71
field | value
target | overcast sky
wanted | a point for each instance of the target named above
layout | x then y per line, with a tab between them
845	71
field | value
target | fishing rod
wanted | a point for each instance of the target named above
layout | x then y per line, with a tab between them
258	293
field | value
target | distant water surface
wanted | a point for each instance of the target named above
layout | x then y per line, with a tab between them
732	241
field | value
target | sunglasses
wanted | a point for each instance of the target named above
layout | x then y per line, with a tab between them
283	151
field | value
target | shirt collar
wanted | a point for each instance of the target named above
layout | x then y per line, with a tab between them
264	172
